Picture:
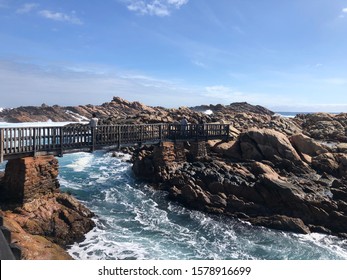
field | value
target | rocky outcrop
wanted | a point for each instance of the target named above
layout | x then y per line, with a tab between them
37	213
237	107
261	177
34	247
324	126
58	217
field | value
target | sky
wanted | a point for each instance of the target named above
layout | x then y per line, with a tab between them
287	55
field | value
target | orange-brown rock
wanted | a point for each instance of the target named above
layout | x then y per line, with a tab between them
33	247
39	215
29	178
267	144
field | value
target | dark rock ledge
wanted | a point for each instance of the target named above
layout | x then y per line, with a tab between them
263	177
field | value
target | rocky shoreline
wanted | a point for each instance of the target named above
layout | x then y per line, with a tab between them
263	177
45	221
281	173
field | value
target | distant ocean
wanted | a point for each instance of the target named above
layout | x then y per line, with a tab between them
290	114
136	222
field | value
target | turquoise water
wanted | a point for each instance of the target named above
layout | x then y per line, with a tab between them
136	222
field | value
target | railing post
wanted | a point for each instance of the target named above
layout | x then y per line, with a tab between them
228	132
93	131
141	136
34	141
119	136
1	145
161	132
61	140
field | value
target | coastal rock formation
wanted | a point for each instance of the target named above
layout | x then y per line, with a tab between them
241	116
34	247
324	126
262	177
58	217
237	107
37	213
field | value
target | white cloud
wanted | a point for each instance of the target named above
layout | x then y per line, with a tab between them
30	84
56	16
155	7
343	13
27	8
199	64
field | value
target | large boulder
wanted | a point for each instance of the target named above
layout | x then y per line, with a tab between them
326	163
267	144
306	145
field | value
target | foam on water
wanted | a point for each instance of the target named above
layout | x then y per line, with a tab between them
83	161
34	124
136	222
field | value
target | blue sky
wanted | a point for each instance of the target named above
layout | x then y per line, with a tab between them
287	55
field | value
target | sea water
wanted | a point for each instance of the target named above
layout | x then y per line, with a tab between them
133	221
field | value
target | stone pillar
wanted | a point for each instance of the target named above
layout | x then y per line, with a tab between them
164	153
198	150
29	178
168	152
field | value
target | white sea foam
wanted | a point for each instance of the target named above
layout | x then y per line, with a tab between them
69	184
331	243
208	112
33	124
78	117
84	160
99	246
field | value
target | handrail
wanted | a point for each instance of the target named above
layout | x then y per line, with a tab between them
16	142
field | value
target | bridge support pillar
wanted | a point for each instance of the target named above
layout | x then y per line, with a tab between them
197	150
29	178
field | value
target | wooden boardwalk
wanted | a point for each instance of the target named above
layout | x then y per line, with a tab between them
18	142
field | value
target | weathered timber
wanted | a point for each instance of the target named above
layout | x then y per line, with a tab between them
18	142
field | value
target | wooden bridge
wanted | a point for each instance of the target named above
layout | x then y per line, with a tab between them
18	142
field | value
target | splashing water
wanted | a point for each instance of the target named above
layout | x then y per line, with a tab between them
136	222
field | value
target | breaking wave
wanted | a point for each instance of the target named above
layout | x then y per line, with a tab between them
134	221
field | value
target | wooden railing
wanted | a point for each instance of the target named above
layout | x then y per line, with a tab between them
16	142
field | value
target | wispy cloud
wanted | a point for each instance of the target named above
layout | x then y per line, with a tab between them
62	17
160	8
27	8
199	64
343	13
31	84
